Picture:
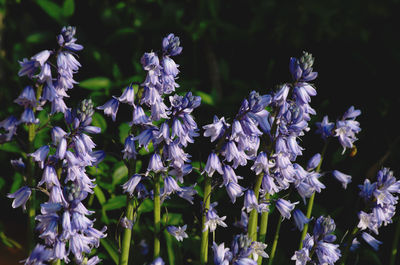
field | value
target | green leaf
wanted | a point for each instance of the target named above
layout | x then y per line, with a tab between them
68	8
16	183
52	9
38	37
206	98
123	132
96	83
99	194
2	183
111	249
115	203
119	174
99	121
146	206
10	147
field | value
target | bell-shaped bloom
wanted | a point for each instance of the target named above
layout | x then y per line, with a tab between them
129	148
128	96
28	117
234	190
250	201
130	185
285	207
170	45
40	155
314	161
300	219
27	98
221	254
20	197
373	242
155	164
110	108
213	163
343	178
178	232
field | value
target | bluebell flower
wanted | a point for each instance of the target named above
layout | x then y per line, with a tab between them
139	117
28	117
169	66
40	255
250	201
285	207
258	250
371	240
178	232
234	190
325	128
10	124
129	148
343	178
21	196
40	155
170	45
27	98
170	186
130	185
187	193
314	161
216	129
301	256
110	108
155	164
128	96
221	254
300	219
158	261
29	67
212	219
213	163
66	39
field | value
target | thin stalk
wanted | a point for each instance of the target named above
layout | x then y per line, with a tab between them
275	243
126	238
57	262
130	206
263	228
311	200
253	219
348	245
204	235
395	243
157	216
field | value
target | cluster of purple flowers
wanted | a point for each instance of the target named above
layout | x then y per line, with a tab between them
379	196
319	243
63	222
168	129
242	247
345	129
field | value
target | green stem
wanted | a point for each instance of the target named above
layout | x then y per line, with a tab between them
311	200
263	228
126	238
348	245
395	243
204	235
130	206
253	219
157	215
275	243
57	262
31	183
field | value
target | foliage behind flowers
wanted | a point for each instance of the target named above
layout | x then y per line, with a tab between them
255	158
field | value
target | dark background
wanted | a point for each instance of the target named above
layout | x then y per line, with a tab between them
230	48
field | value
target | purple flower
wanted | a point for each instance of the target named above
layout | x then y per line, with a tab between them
234	190
314	161
216	129
250	201
285	207
213	164
158	261
20	197
155	164
221	254
27	98
110	108
300	219
40	155
28	117
139	117
301	257
371	241
170	45
343	178
28	67
39	255
212	219
130	149
128	96
325	128
130	185
177	232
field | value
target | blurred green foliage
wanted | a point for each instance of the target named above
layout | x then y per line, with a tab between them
230	48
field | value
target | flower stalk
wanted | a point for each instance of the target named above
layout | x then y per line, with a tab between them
275	243
157	216
204	234
263	228
253	219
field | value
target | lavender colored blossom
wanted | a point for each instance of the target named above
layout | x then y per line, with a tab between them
300	219
178	232
212	219
285	207
158	261
21	196
128	96
110	108
39	255
27	98
130	185
130	149
301	257
371	240
28	117
314	161
221	254
343	178
170	45
325	128
126	223
40	155
213	163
